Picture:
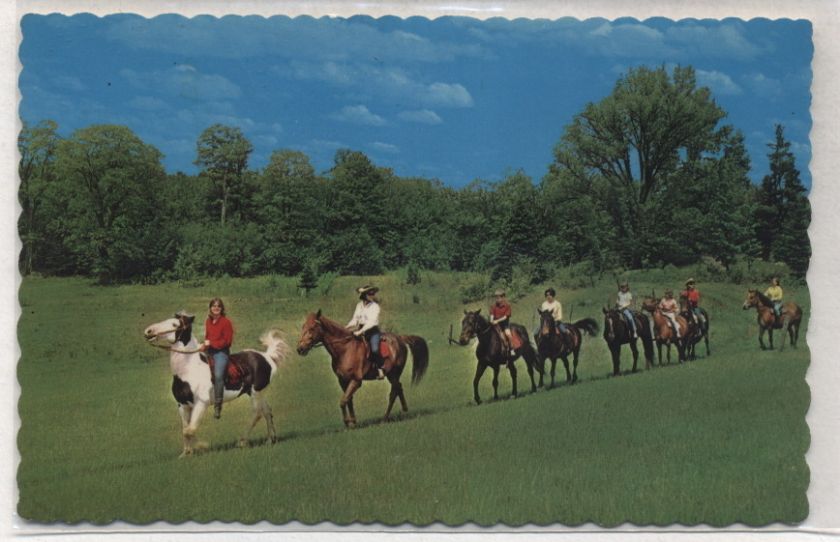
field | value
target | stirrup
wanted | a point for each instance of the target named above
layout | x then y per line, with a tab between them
381	375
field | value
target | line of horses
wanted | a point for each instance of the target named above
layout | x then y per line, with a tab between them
192	384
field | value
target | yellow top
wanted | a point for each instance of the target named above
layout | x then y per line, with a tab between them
774	293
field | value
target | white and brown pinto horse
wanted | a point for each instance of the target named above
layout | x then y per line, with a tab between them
191	380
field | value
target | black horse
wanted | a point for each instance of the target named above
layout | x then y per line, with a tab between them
491	352
552	344
617	332
698	331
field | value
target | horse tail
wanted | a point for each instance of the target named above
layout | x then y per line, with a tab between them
276	348
420	355
589	325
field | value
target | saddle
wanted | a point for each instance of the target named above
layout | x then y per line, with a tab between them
235	372
384	348
516	341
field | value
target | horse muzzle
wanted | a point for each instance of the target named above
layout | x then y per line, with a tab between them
303	349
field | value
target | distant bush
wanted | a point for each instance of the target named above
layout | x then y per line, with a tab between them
476	289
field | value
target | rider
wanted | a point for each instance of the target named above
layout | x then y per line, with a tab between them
775	293
692	296
669	307
218	337
500	313
625	303
553	305
365	322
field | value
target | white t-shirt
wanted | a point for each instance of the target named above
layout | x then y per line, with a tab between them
555	308
365	316
625	299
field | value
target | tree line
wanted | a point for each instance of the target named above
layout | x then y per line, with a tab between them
648	176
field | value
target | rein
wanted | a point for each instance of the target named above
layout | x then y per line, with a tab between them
173	349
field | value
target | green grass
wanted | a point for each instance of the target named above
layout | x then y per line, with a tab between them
718	441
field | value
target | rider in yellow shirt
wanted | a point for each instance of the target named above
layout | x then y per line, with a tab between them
775	293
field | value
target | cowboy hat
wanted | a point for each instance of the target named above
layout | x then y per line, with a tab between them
367	290
499	292
689	281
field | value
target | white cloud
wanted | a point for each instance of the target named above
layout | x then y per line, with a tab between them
358	114
184	81
69	82
723	41
719	82
448	95
385	147
422	116
766	87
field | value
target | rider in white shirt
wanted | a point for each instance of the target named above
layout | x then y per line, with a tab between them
365	322
553	305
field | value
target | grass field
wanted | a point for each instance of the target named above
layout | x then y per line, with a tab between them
719	440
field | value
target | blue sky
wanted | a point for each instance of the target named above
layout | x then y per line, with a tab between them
454	98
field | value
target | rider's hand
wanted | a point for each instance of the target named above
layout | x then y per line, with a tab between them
357	333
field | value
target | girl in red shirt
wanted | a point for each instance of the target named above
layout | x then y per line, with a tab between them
500	313
218	336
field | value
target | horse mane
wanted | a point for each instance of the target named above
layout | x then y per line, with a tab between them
334	326
764	299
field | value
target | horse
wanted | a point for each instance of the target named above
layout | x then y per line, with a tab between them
697	331
192	384
552	344
351	363
767	321
492	352
664	332
617	332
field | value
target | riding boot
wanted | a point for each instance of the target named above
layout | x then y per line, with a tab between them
218	396
378	362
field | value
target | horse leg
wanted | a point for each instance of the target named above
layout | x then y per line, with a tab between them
479	370
346	400
553	369
496	382
513	379
770	336
260	409
401	395
659	352
635	349
761	337
575	356
615	350
565	358
396	391
192	427
185	411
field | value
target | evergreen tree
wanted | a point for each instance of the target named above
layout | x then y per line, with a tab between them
308	278
223	153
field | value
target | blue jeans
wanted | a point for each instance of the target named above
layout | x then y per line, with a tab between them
220	361
373	336
628	315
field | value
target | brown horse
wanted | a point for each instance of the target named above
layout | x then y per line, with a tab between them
552	344
617	332
791	318
351	363
664	332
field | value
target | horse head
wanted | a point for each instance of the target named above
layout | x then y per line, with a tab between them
612	318
547	324
471	326
650	303
751	300
311	334
172	330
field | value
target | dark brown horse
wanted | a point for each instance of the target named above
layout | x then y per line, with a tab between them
492	352
351	363
553	343
664	332
617	332
791	318
698	327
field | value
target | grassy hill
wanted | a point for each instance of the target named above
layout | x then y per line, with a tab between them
717	441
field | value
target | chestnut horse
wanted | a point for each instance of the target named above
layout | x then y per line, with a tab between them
697	331
767	321
664	330
492	352
617	332
351	363
551	343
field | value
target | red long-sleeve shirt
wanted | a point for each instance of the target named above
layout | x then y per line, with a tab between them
497	310
219	333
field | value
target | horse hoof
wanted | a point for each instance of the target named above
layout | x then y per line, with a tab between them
242	443
185	453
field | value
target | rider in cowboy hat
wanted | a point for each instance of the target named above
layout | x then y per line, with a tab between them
365	322
624	303
500	312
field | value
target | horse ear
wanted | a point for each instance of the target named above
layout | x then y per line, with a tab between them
478	311
191	319
318	314
604	309
466	311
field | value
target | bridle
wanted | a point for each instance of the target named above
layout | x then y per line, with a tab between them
170	348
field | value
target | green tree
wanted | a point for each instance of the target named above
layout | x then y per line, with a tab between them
37	145
649	132
308	278
784	211
112	183
223	154
291	208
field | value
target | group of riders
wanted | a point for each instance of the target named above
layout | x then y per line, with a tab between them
365	322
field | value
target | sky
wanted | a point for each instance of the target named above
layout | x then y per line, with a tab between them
454	99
